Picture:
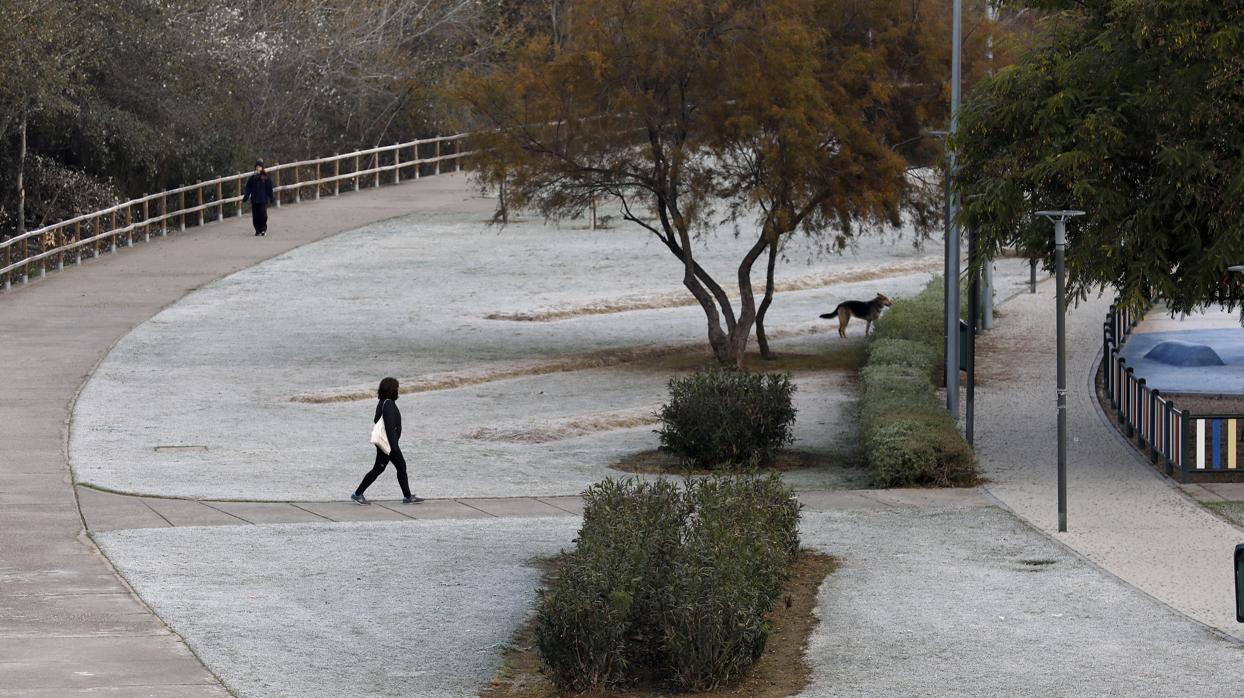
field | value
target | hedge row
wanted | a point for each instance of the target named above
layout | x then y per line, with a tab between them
668	584
908	437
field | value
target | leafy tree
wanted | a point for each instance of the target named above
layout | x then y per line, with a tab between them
1132	111
797	114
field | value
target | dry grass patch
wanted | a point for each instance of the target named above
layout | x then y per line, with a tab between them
672	357
782	670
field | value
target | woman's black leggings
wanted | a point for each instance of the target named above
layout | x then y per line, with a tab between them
259	217
399	464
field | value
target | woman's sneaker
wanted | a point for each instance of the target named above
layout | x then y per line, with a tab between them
412	499
359	498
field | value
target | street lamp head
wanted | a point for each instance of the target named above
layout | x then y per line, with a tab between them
1060	215
1059	219
1239	269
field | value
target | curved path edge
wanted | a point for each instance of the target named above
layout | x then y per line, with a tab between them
68	623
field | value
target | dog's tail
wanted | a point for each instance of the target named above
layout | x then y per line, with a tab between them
828	316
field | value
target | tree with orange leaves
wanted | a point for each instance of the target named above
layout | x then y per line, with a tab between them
799	114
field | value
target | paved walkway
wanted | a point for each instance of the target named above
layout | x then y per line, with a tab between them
67	623
106	511
1122	514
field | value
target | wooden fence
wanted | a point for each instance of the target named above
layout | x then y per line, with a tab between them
1187	446
34	253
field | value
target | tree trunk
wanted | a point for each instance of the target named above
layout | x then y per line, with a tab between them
761	340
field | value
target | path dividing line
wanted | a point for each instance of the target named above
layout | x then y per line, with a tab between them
68	624
1122	514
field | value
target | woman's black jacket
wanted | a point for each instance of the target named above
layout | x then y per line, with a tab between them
258	191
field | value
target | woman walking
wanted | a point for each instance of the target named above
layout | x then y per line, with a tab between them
387	410
259	193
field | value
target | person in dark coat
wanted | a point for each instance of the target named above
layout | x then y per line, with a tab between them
387	408
259	192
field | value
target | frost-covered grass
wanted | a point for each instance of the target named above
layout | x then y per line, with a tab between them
410	298
415	609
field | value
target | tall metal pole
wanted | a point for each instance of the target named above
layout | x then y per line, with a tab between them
952	238
1060	242
974	317
1059	219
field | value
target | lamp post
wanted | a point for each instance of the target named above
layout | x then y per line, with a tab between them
952	228
1059	218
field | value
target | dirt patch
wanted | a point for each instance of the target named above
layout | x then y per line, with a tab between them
782	670
659	462
681	298
687	356
556	430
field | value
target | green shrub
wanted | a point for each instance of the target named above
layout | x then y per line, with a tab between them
903	352
668	582
908	437
727	419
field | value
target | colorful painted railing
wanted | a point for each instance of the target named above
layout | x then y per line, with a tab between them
1186	446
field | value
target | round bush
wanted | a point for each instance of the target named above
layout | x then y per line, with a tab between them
727	419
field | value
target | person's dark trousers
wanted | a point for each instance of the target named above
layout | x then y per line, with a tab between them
399	464
259	216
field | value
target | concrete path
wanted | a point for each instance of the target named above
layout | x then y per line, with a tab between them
106	511
67	623
1123	515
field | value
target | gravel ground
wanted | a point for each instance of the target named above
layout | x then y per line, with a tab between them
364	609
973	602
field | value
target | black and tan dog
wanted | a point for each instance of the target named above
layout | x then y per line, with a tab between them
868	311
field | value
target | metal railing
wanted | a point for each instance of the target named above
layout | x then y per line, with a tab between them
1185	445
34	253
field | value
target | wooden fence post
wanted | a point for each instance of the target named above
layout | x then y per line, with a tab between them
220	201
238	214
276	185
129	225
438	157
77	237
397	164
318	183
415	148
112	229
97	234
356	172
4	262
146	220
181	211
163	215
200	192
297	186
337	175
376	167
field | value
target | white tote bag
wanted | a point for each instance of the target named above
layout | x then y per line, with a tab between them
379	436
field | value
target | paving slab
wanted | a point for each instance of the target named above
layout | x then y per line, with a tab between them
1229	491
445	509
160	690
268	512
571	505
105	511
186	512
516	506
349	511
